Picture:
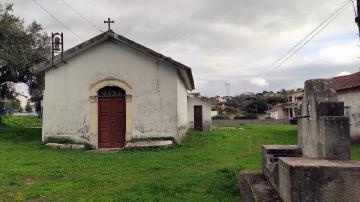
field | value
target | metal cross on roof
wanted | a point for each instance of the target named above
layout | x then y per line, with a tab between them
108	22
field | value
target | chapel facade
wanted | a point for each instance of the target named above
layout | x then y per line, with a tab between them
110	90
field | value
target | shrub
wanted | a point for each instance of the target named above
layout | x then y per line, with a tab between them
21	121
246	116
89	146
222	117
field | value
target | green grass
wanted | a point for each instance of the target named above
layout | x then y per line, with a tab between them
202	168
355	152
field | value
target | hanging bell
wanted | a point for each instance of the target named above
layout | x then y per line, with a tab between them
57	44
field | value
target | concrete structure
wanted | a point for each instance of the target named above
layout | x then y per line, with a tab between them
237	122
206	112
319	168
154	91
304	179
348	91
325	134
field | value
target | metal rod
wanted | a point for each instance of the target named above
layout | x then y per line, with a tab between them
62	46
52	49
357	18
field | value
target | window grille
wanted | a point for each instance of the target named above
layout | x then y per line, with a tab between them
111	91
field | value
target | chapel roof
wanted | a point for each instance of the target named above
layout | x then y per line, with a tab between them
347	82
184	70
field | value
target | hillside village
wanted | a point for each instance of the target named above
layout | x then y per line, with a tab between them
284	104
125	109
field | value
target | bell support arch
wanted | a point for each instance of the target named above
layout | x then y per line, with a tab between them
94	114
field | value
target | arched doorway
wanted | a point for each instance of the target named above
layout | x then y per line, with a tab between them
111	117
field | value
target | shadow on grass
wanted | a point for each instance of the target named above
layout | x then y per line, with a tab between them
19	134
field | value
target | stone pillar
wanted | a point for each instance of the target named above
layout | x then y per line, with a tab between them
325	133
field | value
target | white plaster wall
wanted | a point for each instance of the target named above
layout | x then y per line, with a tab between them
154	85
353	101
274	115
182	117
206	112
214	113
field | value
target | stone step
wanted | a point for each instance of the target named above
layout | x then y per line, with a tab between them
149	144
254	187
65	146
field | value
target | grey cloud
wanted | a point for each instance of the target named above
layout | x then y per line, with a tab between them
223	41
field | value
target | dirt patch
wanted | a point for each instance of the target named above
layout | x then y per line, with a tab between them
29	181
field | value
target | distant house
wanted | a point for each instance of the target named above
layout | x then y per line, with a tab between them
348	91
288	110
273	113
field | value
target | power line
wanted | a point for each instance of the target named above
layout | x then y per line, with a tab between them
308	35
297	47
51	15
81	15
308	40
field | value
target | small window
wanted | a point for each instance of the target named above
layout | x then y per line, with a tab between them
111	91
347	111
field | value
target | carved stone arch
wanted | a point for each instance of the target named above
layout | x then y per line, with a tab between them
93	99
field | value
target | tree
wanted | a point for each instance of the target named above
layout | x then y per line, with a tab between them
28	107
20	48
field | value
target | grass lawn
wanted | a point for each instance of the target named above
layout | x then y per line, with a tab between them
201	169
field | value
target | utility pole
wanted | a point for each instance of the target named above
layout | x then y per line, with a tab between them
357	18
228	85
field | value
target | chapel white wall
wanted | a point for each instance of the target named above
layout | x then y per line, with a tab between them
206	112
182	115
67	90
352	100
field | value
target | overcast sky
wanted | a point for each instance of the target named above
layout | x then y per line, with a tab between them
233	41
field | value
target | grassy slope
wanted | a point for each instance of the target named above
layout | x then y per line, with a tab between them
201	169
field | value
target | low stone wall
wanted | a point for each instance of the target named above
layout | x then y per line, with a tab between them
234	122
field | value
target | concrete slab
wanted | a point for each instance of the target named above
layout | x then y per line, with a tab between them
306	162
149	144
304	179
65	146
110	150
254	187
270	155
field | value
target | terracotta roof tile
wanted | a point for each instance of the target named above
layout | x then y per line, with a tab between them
347	82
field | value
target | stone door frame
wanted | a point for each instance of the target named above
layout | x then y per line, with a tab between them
94	113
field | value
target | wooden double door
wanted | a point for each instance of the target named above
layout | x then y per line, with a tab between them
112	122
